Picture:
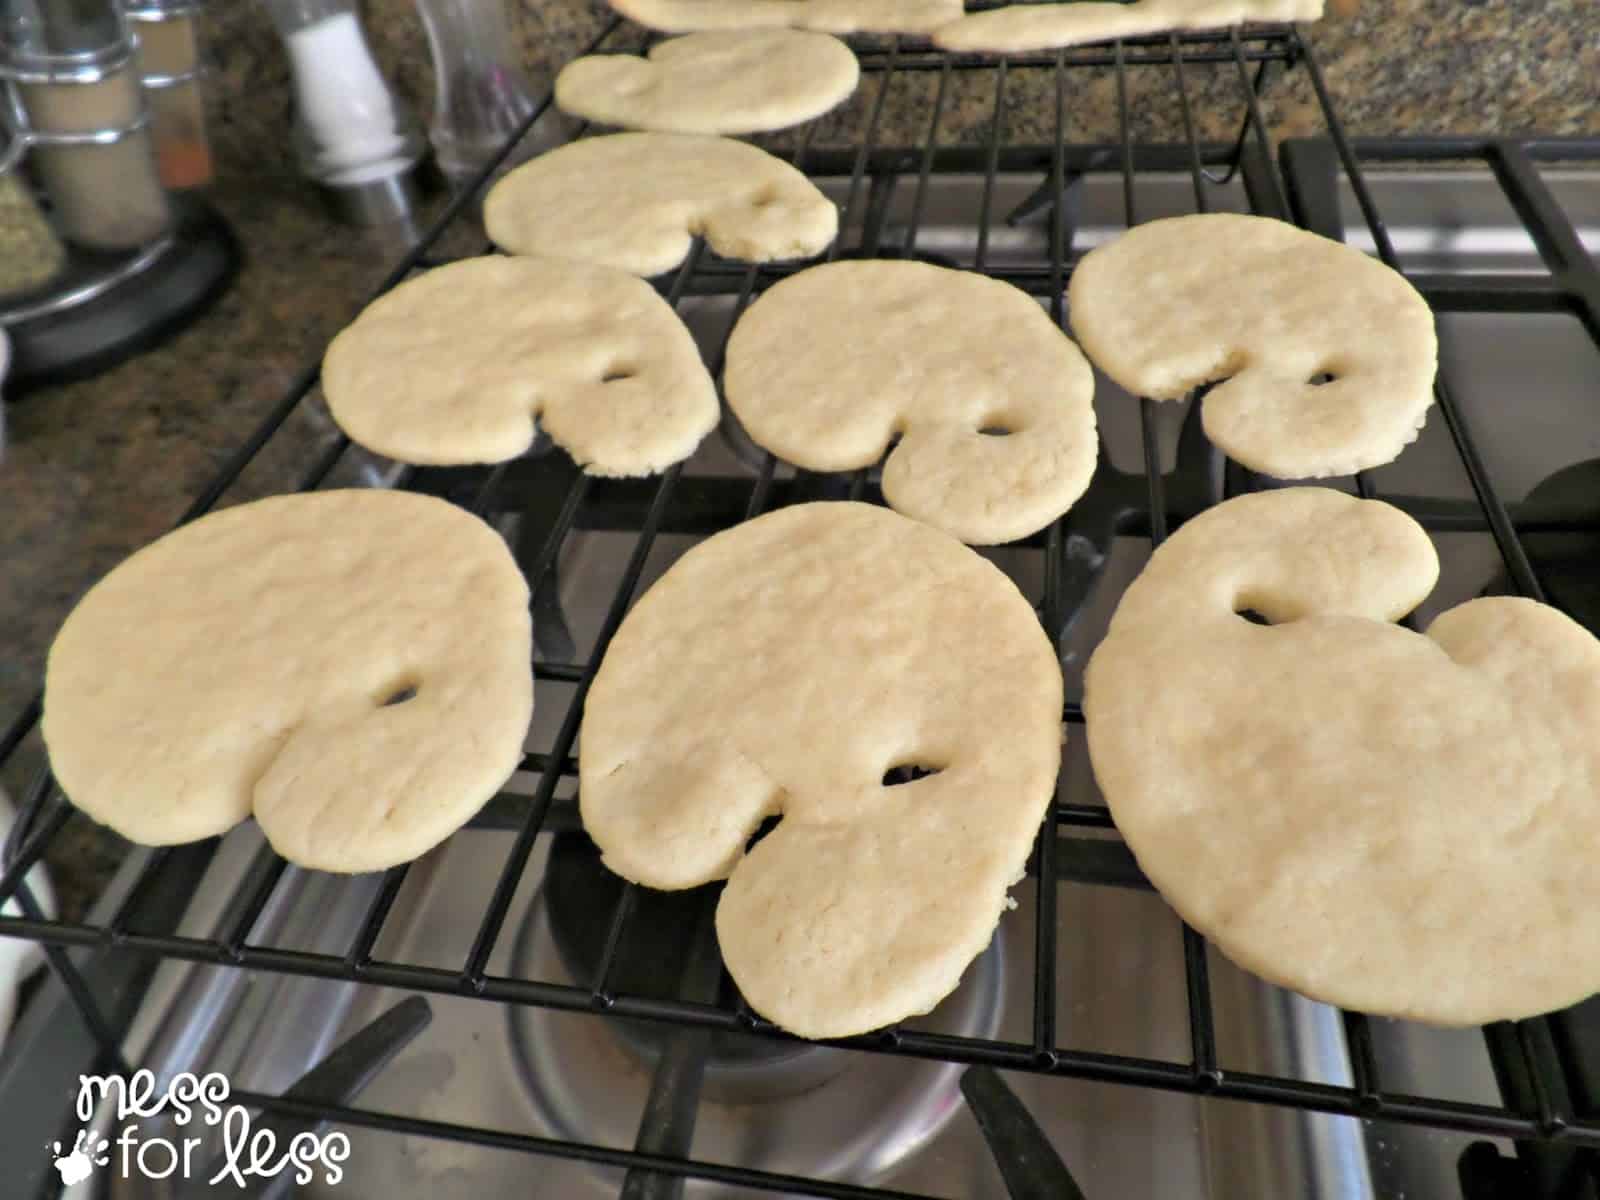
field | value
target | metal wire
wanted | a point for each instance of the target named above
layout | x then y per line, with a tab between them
1505	534
1363	1060
1045	920
925	173
496	1139
980	257
505	888
1197	171
1197	986
871	173
1434	1112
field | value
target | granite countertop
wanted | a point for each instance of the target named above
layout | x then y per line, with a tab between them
93	470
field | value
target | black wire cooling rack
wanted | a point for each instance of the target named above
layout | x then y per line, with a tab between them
1550	1084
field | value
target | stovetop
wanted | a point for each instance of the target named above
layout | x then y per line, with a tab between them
1525	382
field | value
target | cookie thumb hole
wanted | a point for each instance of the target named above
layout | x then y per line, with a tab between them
1266	605
908	772
1322	378
398	693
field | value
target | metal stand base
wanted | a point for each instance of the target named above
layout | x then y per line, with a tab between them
129	314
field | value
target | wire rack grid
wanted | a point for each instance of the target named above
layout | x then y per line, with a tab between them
1536	1071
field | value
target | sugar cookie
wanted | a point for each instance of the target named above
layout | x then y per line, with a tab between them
727	81
1272	309
248	661
635	201
825	16
785	666
454	365
1368	815
832	363
1022	28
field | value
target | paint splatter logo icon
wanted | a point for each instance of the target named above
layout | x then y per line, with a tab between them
87	1153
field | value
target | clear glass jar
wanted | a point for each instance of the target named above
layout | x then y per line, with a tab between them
170	68
481	96
77	102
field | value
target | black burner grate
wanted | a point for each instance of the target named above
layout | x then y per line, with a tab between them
1537	1061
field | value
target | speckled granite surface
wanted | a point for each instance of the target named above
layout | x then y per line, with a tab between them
94	470
1400	66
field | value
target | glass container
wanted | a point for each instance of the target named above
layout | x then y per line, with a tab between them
30	253
481	95
76	102
170	69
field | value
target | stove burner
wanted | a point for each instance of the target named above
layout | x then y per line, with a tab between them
653	958
773	1104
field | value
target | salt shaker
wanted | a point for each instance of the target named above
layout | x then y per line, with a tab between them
353	136
481	96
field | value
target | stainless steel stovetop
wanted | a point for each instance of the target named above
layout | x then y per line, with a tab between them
1526	384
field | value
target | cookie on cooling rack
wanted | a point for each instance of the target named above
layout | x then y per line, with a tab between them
351	666
636	200
1364	814
1023	28
825	16
1328	355
787	666
729	81
991	402
454	366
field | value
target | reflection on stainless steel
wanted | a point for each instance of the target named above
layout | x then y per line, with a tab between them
808	1110
262	1034
1120	983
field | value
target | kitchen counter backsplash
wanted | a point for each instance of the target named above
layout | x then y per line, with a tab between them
1399	66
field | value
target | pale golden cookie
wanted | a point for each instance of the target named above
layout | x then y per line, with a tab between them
785	666
1271	309
1367	815
832	363
454	366
243	663
731	81
636	200
825	16
1021	28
